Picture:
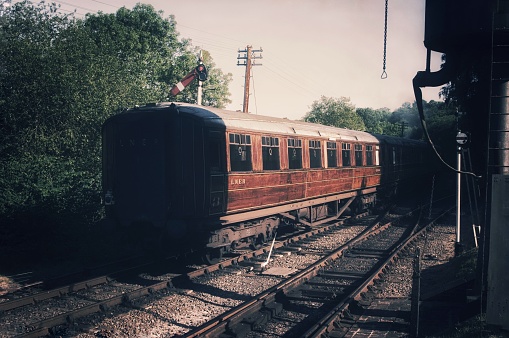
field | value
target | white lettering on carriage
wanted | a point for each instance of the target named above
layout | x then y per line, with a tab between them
237	181
138	142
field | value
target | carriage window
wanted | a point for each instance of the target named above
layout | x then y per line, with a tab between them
332	156
345	151
358	155
315	154
369	155
294	153
240	152
270	153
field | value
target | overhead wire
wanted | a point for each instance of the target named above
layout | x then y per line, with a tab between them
75	6
222	45
280	75
295	73
302	89
254	92
104	3
209	33
283	71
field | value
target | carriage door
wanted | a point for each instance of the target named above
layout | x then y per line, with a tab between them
191	170
216	160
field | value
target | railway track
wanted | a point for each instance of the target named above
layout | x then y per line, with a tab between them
90	294
99	296
319	297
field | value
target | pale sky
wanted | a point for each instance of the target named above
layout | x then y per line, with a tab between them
310	48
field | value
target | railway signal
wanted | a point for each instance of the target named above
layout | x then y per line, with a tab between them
462	139
199	72
182	84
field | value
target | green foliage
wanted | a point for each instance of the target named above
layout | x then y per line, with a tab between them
403	122
408	116
440	120
377	121
469	92
215	89
335	112
60	78
46	183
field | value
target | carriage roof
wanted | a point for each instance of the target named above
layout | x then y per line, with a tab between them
238	121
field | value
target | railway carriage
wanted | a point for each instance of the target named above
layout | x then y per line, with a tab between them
217	179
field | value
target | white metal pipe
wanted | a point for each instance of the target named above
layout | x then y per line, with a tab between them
200	93
458	198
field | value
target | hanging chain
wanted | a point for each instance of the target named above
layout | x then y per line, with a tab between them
384	73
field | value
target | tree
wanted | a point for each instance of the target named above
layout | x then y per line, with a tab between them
337	112
153	57
377	121
441	120
408	116
469	92
215	89
60	78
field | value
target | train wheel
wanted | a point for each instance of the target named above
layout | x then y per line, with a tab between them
213	256
235	245
257	243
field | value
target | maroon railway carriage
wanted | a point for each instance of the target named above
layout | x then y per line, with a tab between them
220	179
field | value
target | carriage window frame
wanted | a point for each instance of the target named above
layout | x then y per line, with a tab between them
369	155
270	153
240	152
315	154
332	154
294	153
345	154
358	158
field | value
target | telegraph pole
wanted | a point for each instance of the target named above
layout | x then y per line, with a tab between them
403	127
248	58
